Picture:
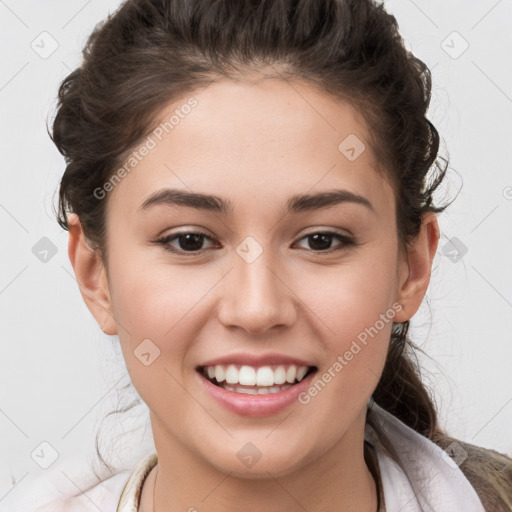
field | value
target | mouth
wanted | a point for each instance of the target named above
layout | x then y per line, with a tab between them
252	380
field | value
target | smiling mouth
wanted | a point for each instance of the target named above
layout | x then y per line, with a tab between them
254	389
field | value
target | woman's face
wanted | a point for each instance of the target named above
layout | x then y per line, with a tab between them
259	283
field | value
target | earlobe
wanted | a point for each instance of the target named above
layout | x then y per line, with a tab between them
416	275
91	276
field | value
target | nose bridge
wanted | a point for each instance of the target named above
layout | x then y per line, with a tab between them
256	298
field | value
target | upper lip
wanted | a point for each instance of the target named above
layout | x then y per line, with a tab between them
256	360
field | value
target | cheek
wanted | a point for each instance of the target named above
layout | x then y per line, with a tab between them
157	308
150	299
356	309
352	296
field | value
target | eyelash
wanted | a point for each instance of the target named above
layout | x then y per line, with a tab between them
165	242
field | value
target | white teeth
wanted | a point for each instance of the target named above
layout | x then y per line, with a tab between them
250	376
232	374
280	375
301	372
255	391
219	373
264	377
291	373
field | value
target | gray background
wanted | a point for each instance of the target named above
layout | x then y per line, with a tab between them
60	375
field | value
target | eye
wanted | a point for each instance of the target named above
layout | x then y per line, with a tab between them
192	241
320	241
188	241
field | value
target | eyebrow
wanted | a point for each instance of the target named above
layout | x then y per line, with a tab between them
296	204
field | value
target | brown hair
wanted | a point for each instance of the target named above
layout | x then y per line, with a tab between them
150	52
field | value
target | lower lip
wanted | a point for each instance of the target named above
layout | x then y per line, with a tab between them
255	405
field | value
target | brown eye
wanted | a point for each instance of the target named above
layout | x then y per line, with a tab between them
322	240
187	241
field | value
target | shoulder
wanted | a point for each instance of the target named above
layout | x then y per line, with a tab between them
102	496
118	493
488	471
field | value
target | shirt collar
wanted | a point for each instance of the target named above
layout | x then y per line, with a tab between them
426	479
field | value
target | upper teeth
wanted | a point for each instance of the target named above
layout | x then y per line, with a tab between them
261	376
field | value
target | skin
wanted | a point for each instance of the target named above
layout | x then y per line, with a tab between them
255	144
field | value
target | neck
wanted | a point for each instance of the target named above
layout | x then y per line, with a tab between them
339	479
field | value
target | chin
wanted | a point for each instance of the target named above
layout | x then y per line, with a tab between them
245	464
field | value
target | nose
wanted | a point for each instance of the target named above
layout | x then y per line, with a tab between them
256	296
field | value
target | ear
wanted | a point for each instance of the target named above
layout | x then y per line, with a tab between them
415	274
91	276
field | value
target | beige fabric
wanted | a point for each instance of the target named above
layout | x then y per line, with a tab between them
130	497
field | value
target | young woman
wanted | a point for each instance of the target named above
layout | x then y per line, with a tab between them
249	199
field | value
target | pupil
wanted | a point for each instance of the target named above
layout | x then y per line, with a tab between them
193	241
323	237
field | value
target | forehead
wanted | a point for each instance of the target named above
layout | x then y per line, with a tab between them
266	138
